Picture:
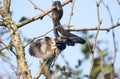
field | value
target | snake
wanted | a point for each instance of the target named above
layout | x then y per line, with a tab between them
47	47
66	37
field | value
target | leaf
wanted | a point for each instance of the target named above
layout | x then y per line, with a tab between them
23	18
79	63
77	72
96	68
95	71
57	66
1	54
85	50
107	69
104	52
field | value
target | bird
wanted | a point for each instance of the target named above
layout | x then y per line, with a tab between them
44	48
48	48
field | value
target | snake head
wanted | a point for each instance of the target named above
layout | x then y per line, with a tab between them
58	12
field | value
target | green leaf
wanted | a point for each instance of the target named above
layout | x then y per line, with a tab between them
77	72
79	64
107	69
104	52
96	68
85	50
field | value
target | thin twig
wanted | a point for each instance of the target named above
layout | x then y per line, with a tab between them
2	23
113	34
94	45
12	66
111	19
29	20
63	57
7	4
101	61
36	7
40	36
71	13
99	25
95	28
88	44
6	47
41	70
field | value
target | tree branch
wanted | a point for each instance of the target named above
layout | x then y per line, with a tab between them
16	40
1	10
6	47
36	7
71	13
7	5
40	15
95	28
114	43
95	38
40	36
1	23
101	62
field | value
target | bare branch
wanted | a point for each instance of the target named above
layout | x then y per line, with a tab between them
111	19
64	59
41	70
1	23
113	34
7	5
40	36
95	28
101	61
14	68
71	13
1	10
99	24
36	7
6	47
95	38
40	15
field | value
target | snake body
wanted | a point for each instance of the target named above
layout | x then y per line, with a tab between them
46	47
67	37
57	14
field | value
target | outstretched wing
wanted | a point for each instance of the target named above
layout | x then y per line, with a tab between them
43	48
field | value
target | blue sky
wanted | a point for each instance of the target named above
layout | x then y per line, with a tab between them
84	16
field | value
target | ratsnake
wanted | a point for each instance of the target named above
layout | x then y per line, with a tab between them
47	47
66	37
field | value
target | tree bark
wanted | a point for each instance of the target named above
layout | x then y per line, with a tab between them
16	42
19	49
